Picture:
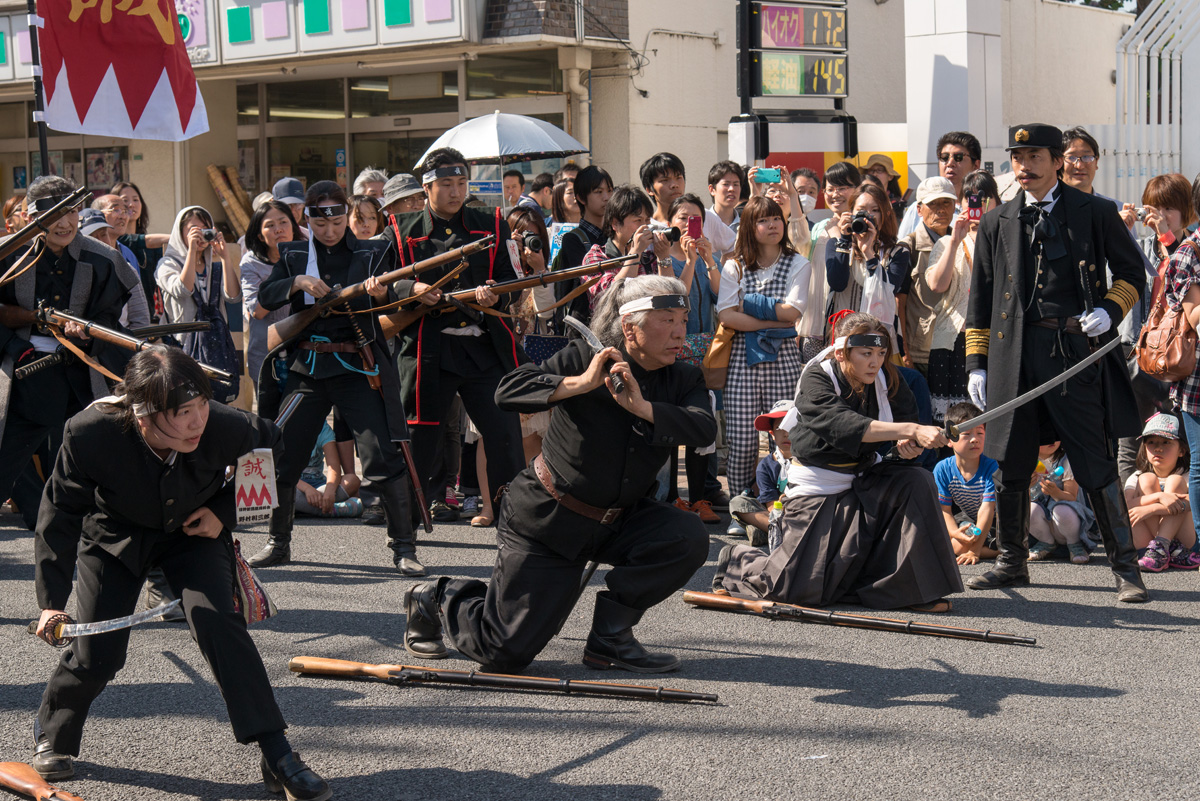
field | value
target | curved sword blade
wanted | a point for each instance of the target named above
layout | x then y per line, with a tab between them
100	627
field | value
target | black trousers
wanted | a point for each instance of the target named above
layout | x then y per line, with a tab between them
504	624
200	572
1074	413
38	407
471	369
362	409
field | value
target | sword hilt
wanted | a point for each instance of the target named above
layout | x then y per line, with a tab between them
53	632
951	431
27	370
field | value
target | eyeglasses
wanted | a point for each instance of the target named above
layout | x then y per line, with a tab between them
958	157
1077	160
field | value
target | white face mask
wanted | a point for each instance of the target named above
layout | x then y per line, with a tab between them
807	203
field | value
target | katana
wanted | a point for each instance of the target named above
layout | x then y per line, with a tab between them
60	629
596	345
952	431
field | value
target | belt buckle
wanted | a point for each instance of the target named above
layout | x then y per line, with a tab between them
610	517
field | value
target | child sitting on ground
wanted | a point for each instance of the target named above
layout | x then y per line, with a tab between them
771	477
1157	495
320	492
1057	513
965	480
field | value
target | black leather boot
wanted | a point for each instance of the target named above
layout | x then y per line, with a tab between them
279	542
423	627
1112	518
49	765
158	592
402	537
296	780
1011	570
611	643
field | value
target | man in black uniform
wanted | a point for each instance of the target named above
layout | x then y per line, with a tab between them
465	352
72	273
340	360
1039	305
588	496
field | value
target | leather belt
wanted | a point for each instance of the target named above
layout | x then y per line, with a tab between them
605	517
330	347
1071	326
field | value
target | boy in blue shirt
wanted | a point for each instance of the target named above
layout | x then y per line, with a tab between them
751	514
964	482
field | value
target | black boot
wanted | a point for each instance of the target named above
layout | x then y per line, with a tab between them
1112	518
49	765
423	627
279	541
402	537
611	643
158	592
1011	570
298	781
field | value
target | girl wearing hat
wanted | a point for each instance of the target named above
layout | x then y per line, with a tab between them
1157	495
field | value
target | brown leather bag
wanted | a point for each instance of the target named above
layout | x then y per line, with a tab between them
1166	346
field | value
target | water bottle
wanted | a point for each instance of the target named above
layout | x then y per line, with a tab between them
775	527
975	531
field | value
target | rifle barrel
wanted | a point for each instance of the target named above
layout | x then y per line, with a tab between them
776	610
499	681
43	220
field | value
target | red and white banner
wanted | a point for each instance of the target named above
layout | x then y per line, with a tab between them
118	68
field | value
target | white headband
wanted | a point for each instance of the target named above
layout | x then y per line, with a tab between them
651	302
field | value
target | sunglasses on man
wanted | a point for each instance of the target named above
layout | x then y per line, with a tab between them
958	157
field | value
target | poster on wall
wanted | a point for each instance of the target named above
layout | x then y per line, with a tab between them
56	163
102	169
20	179
280	171
247	163
73	172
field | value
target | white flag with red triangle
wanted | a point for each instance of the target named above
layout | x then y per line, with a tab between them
118	68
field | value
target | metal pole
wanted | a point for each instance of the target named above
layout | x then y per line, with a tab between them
745	43
39	103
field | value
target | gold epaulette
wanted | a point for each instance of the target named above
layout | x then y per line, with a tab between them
1124	295
977	341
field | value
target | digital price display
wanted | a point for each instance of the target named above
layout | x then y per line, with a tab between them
798	74
799	26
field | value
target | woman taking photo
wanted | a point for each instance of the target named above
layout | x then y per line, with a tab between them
270	225
855	530
167	506
868	270
763	292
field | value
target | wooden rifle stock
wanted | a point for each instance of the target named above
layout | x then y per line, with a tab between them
293	326
43	221
23	779
776	611
392	324
410	674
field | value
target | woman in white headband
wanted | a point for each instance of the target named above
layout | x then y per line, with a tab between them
855	529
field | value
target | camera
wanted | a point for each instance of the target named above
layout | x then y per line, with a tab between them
1141	213
532	241
209	234
673	235
860	222
768	175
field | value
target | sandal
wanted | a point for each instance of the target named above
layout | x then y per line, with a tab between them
482	521
938	607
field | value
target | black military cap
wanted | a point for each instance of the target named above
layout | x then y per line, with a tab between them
1034	134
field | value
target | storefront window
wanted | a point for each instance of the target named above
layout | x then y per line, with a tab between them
393	152
248	166
425	93
520	75
247	104
309	158
306	100
67	163
104	167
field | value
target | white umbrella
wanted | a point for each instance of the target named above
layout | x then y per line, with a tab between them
507	138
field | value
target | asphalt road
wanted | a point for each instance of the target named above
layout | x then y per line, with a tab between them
1104	707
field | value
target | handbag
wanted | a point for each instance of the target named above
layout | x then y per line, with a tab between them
215	346
695	348
1166	345
539	347
715	364
249	596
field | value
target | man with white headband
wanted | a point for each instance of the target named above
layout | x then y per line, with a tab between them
74	273
462	351
587	497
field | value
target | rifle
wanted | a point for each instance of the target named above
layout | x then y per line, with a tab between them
397	321
53	319
292	326
404	675
23	779
779	611
42	222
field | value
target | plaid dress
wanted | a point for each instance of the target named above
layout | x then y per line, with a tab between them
1183	270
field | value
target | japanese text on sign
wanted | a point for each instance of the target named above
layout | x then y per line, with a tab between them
799	74
794	26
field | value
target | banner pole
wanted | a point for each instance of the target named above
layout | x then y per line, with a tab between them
39	103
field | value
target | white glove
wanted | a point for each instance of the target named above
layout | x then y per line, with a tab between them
977	388
1095	323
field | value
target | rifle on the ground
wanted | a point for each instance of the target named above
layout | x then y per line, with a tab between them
42	222
778	611
292	326
397	321
23	779
408	674
53	319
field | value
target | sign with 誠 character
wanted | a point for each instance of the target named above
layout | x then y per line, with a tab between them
254	479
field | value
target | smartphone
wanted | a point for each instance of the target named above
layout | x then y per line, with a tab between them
767	175
974	208
695	226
